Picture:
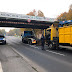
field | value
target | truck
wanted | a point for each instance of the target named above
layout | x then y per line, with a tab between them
28	36
59	35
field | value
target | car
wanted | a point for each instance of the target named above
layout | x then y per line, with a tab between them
29	39
2	39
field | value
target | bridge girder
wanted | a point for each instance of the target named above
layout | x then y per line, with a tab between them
19	23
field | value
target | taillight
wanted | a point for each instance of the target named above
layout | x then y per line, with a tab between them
34	40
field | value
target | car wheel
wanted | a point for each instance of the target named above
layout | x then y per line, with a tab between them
4	42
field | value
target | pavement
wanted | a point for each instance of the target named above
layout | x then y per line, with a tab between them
34	57
12	61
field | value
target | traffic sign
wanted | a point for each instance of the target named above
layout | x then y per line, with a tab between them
29	20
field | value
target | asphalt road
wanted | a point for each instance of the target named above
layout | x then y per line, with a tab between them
49	60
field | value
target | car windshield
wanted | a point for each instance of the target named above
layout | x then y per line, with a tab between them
1	36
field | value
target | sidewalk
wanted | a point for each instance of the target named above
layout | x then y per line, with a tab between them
12	62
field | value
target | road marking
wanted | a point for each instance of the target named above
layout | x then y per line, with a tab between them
55	53
1	67
37	47
34	46
47	50
27	44
31	45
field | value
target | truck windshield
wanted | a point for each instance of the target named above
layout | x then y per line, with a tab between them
30	36
28	33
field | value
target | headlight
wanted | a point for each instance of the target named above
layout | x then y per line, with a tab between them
4	39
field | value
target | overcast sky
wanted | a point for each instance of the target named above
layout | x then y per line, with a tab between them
50	8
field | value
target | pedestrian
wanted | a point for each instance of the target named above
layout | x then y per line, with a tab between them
42	42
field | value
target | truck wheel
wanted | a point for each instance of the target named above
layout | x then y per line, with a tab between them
30	42
51	46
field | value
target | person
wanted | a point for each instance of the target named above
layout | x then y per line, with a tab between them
48	37
42	41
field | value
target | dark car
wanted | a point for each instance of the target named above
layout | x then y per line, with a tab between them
29	39
2	39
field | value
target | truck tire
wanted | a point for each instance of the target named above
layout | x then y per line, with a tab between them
30	42
51	46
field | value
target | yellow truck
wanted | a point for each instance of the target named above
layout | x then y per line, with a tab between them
59	34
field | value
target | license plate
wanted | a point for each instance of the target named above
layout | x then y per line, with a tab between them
34	42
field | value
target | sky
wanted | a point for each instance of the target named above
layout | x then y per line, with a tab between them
50	8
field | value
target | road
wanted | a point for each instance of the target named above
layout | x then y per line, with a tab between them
49	60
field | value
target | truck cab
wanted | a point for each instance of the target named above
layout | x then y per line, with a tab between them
51	37
28	36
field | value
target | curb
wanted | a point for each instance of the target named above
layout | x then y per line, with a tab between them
1	70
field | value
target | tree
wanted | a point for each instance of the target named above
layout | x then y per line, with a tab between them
62	17
32	13
14	32
65	15
69	14
2	31
40	13
71	6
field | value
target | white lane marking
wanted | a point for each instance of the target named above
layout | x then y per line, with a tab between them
47	50
55	53
34	46
31	45
1	67
27	44
37	47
